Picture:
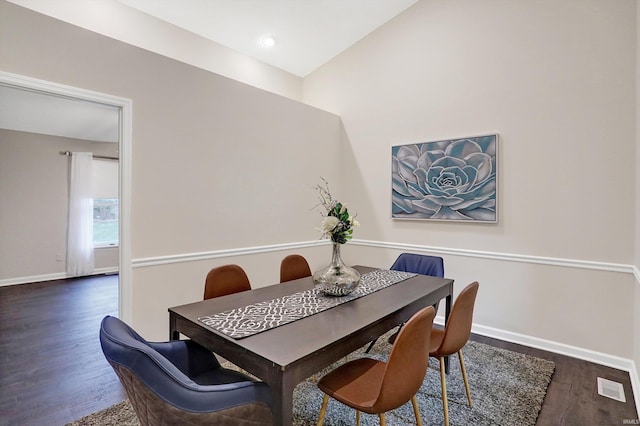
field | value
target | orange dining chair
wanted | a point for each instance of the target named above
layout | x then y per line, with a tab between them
453	337
293	267
226	279
376	387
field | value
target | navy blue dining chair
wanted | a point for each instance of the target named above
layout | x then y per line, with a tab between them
418	264
181	382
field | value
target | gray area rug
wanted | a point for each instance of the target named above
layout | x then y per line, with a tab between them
507	388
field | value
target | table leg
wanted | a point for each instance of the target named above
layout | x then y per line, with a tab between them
282	401
447	311
173	333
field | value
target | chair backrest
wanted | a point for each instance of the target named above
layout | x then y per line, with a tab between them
407	363
458	326
159	387
419	264
293	267
226	279
124	348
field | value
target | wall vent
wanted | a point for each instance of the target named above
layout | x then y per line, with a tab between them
610	389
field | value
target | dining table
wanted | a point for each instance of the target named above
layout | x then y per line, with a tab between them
282	344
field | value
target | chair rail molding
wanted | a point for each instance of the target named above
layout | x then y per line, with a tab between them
216	254
510	257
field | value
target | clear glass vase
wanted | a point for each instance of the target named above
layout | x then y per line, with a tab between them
337	279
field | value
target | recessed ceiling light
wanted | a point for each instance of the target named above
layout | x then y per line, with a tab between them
267	41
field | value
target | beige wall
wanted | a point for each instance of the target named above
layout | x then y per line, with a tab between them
637	197
216	164
555	80
33	213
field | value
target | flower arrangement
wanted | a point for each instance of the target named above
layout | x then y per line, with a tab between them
337	223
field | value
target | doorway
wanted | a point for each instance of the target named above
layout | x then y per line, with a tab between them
87	100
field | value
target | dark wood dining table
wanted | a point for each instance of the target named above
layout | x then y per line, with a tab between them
286	355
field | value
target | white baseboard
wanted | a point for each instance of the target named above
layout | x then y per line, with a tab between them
600	358
51	277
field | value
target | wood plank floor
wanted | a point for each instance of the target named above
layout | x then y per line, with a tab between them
52	370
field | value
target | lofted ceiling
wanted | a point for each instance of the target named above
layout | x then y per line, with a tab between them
307	34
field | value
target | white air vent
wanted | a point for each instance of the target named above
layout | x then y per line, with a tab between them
613	390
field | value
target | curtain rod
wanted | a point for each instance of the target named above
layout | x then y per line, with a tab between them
100	157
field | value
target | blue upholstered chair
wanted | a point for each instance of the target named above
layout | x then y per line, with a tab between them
417	264
181	382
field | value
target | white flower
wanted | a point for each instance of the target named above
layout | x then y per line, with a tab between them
329	223
337	223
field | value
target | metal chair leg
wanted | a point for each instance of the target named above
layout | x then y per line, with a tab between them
371	345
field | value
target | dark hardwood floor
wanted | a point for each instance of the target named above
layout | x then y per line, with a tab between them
52	370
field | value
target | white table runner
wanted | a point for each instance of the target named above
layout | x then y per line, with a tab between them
255	318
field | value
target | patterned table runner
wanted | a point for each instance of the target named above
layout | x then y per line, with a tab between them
258	317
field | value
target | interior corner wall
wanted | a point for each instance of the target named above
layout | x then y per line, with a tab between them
33	212
557	266
217	165
637	211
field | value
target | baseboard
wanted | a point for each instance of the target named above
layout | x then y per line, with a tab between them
600	358
52	277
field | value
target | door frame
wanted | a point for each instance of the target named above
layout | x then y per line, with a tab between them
125	106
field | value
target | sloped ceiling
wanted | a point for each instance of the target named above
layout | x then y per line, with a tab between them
307	33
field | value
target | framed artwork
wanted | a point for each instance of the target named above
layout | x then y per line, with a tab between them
448	180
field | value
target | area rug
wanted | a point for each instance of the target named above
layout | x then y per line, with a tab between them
507	388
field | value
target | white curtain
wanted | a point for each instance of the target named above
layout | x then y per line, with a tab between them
80	226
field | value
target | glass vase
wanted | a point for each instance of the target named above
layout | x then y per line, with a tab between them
337	279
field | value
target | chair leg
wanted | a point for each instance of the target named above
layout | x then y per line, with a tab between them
383	419
373	342
323	409
416	411
357	417
464	377
443	382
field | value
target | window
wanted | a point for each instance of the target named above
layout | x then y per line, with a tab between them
105	203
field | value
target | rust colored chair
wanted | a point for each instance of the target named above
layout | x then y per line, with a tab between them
293	267
226	279
454	336
376	387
